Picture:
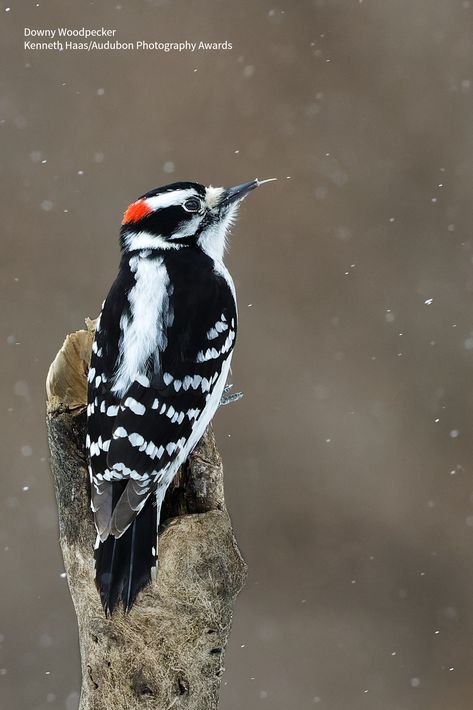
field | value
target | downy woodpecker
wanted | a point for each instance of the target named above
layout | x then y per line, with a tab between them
160	358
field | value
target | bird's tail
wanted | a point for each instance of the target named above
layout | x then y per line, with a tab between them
123	566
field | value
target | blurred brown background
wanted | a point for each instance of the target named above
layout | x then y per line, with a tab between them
348	463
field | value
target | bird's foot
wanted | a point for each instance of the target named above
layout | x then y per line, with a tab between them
229	398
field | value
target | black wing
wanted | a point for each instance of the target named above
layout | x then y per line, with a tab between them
166	410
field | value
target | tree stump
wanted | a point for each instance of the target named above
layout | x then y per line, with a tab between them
168	651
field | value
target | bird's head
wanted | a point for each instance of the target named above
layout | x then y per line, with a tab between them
183	214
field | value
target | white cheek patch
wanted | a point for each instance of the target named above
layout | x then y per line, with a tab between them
187	228
134	241
213	195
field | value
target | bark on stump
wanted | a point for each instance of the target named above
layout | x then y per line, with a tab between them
168	651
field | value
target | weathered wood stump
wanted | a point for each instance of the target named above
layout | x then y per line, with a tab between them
168	651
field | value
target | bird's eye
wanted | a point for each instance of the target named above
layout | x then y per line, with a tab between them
192	204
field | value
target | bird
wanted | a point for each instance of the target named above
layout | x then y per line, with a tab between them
160	357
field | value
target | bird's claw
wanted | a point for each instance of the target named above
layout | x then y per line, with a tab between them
229	398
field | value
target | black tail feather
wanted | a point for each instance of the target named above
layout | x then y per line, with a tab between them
123	565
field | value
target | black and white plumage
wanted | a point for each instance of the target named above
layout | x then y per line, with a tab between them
160	359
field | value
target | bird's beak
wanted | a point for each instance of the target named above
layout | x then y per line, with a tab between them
239	192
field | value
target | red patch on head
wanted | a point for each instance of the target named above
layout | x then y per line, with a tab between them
136	211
